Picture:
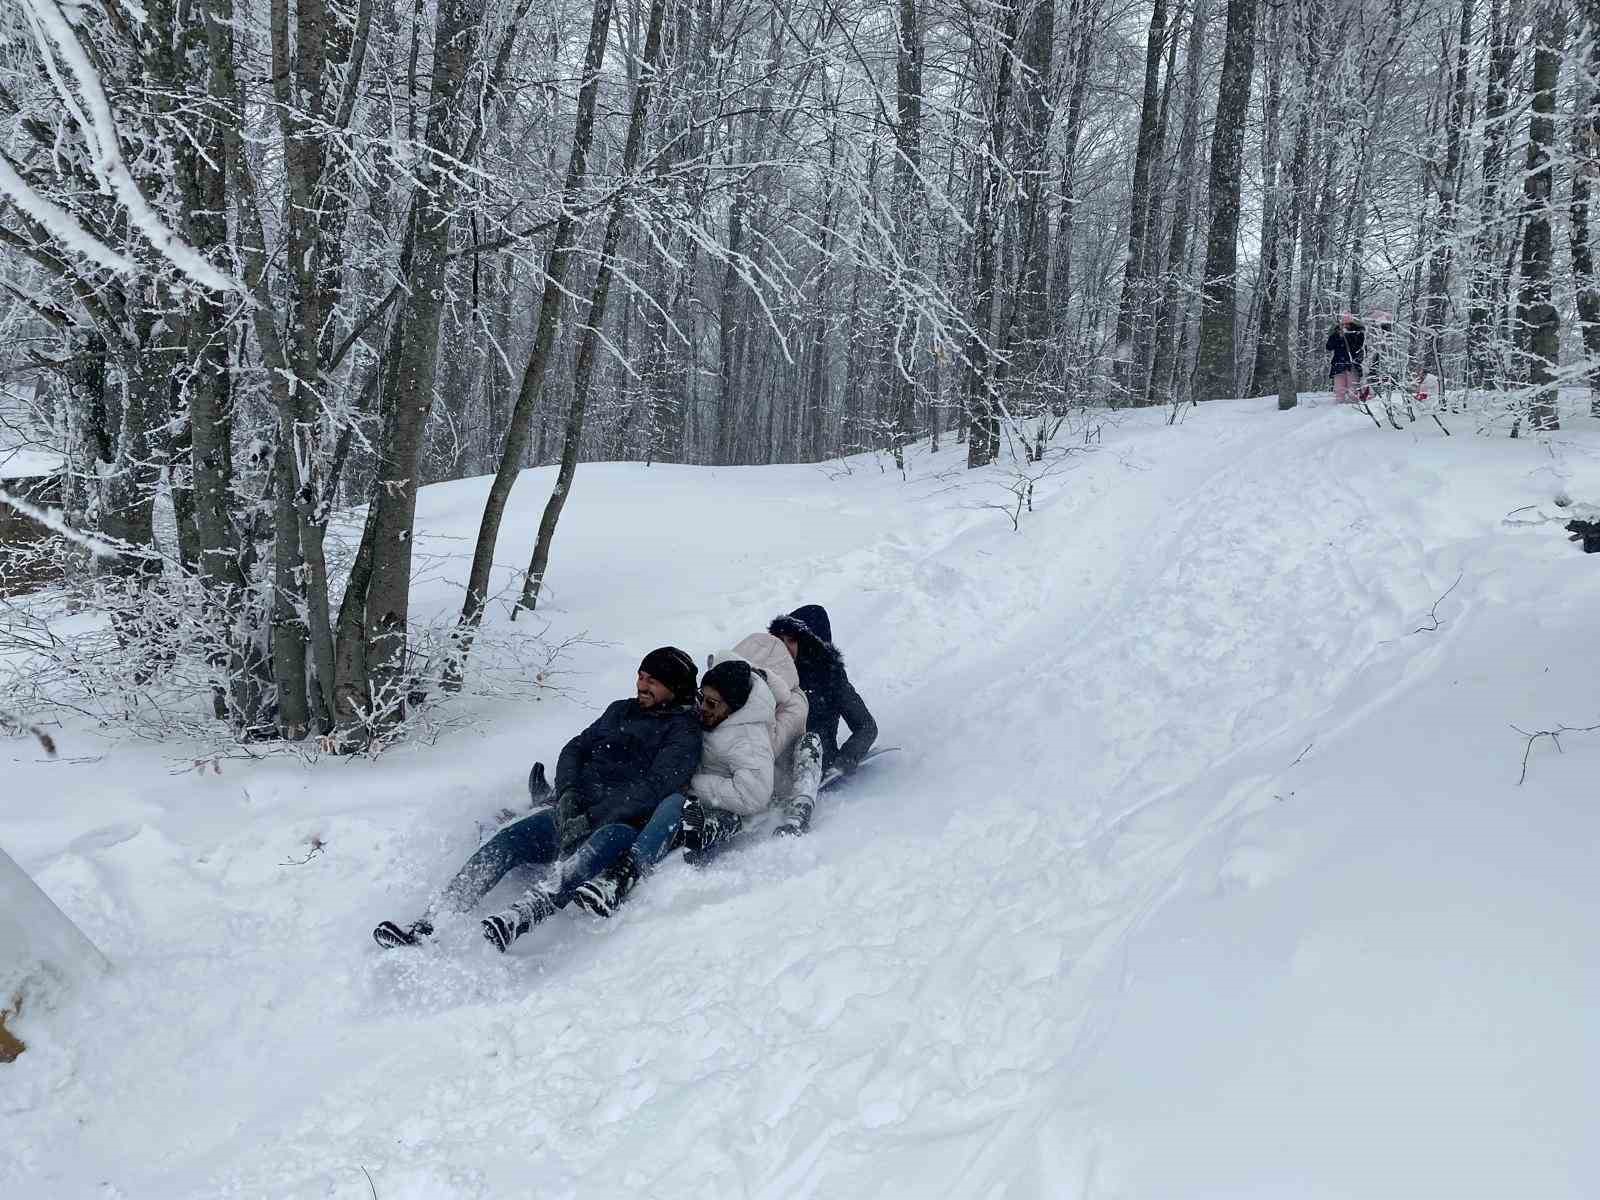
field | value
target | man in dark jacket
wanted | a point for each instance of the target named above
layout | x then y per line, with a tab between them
609	780
808	634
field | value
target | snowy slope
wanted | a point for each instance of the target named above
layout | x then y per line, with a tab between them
1206	871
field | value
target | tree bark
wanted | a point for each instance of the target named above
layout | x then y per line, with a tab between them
982	402
906	208
583	374
1214	372
1539	332
1585	169
1170	313
388	597
557	260
1489	278
1145	152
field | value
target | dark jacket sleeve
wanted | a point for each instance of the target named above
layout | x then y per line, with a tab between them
1333	341
668	772
863	729
576	752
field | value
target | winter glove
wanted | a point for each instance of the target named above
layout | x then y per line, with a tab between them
573	832
572	823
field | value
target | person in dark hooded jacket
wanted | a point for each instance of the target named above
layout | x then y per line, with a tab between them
609	781
808	634
1347	345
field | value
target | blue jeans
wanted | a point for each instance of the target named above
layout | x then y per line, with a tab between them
535	840
656	839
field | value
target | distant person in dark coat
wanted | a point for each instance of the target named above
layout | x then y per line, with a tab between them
609	781
808	635
1346	342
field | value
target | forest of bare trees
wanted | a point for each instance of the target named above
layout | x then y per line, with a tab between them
264	262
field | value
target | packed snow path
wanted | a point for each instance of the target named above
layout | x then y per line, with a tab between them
1205	871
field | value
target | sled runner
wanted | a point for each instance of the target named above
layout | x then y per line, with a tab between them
834	775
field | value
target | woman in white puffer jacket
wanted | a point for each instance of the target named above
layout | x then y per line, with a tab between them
738	720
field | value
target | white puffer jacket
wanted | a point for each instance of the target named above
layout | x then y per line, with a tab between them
766	652
735	771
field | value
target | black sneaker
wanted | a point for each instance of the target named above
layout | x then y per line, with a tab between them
389	935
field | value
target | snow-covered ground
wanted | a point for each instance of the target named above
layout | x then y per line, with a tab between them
1205	872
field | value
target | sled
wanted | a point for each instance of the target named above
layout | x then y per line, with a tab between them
834	775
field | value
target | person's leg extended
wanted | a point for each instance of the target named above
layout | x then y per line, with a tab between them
602	893
532	840
601	850
656	838
800	788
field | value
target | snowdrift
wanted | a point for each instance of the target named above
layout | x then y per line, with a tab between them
42	953
1208	869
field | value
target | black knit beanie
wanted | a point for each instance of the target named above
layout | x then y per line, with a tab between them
733	679
674	668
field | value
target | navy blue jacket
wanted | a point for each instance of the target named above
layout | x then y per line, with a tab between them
828	689
1347	347
629	761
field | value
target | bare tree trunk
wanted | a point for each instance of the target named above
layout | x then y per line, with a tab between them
1030	329
983	444
1170	314
1488	280
1537	319
906	212
388	595
1272	205
1146	150
1083	18
1214	372
1447	183
557	260
1585	168
596	319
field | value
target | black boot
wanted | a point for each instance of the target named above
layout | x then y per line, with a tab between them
602	894
539	789
389	935
706	829
502	928
796	819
